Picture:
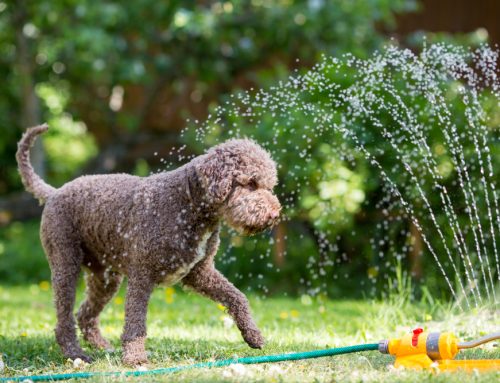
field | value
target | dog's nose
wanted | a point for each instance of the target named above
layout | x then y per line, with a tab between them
274	214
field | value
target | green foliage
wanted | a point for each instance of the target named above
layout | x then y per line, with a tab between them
21	256
68	144
336	189
83	50
141	168
330	189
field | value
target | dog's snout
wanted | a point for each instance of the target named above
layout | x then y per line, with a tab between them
274	214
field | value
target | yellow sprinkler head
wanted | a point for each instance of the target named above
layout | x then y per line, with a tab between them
433	350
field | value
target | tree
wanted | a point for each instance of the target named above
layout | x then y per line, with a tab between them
133	83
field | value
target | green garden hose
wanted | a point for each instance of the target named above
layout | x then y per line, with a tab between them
217	363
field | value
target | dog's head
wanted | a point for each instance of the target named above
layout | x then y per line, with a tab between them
238	177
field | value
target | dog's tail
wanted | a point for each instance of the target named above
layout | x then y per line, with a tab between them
31	181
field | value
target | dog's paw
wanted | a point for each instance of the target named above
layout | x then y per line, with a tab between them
96	340
134	360
78	358
254	338
134	353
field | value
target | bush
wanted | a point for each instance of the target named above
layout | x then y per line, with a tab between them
21	255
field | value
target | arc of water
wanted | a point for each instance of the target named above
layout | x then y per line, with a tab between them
413	214
480	130
429	209
423	196
431	166
428	159
474	114
404	203
461	70
463	175
488	207
458	157
486	59
302	85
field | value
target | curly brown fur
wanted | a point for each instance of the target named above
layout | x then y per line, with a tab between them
160	229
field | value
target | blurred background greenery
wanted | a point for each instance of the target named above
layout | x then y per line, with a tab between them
116	82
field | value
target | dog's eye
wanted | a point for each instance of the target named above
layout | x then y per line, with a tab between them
252	185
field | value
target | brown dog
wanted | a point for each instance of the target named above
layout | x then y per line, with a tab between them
160	229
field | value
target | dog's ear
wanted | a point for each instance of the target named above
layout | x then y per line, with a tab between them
215	170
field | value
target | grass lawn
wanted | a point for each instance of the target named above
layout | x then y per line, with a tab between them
184	328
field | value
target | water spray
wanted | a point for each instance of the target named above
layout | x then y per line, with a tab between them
418	350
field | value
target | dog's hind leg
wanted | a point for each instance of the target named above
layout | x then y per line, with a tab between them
65	258
101	287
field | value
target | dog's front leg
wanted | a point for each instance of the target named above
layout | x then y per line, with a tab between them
139	290
206	280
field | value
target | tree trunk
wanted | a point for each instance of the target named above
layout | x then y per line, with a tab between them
30	114
279	244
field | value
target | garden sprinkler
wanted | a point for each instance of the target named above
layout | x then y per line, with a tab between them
433	350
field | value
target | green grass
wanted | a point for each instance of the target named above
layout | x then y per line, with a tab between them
185	328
